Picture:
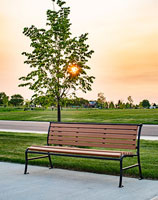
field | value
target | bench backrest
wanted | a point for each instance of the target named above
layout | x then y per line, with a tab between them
120	136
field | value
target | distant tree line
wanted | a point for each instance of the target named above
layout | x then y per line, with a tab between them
47	101
102	103
14	100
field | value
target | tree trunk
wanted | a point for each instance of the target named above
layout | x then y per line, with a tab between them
58	110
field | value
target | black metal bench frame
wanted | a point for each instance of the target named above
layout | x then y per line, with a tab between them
48	154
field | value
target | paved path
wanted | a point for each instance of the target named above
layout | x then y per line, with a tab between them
58	184
42	127
24	126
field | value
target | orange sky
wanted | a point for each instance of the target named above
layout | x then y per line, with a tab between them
123	33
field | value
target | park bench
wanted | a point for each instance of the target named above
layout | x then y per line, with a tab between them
76	140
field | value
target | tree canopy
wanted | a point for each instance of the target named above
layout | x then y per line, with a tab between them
58	60
16	100
3	99
101	99
145	103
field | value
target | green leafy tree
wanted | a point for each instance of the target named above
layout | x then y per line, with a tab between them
145	103
4	99
66	102
127	105
111	105
101	99
58	60
43	101
106	105
83	102
120	104
130	100
16	100
78	102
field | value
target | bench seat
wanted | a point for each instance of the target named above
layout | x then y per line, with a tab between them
80	151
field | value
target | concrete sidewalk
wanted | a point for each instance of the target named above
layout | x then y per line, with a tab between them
58	184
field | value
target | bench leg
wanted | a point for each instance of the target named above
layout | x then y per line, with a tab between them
121	173
140	170
26	161
50	161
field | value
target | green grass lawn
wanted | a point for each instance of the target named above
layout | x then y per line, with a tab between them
146	116
13	145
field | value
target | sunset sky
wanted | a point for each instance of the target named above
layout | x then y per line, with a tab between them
123	34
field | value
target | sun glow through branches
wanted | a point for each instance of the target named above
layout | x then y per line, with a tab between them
73	70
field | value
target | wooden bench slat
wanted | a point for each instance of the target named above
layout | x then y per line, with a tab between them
118	146
120	141
77	152
75	139
118	136
83	149
95	131
98	135
95	126
78	139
